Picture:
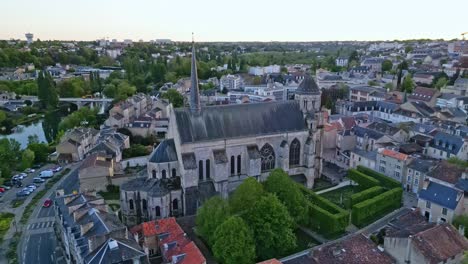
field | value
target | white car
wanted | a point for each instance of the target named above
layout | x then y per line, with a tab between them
23	174
26	189
32	186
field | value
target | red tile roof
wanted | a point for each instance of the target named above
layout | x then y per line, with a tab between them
394	154
440	243
187	247
423	94
157	227
348	122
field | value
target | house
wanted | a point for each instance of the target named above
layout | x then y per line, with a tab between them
126	111
75	144
444	146
368	139
341	61
447	100
85	229
363	93
411	239
394	132
416	111
427	95
363	158
423	78
354	249
440	203
375	64
95	172
416	172
392	164
165	238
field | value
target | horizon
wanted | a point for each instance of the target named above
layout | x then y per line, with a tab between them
246	21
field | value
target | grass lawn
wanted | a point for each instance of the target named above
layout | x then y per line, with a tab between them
110	195
5	221
321	184
341	196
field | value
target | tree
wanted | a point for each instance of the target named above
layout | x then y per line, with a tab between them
387	65
234	242
402	66
246	195
27	159
210	216
388	86
82	117
288	192
272	227
174	97
407	84
47	93
41	151
442	82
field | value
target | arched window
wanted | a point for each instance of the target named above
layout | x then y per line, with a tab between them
175	204
232	165
239	164
200	170
208	169
164	176
294	153
130	204
145	204
154	174
268	157
174	173
158	211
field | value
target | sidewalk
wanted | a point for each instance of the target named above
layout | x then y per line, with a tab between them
340	185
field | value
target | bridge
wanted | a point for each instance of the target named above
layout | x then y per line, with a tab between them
79	102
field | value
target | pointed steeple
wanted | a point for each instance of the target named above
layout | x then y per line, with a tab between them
194	91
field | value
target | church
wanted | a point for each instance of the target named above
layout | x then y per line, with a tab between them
210	150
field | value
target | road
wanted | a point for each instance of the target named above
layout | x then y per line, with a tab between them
10	195
39	244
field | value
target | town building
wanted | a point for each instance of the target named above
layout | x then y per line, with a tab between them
211	150
231	82
392	164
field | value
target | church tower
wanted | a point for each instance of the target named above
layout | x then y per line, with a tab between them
308	95
195	107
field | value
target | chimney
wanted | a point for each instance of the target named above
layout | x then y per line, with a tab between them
86	227
408	249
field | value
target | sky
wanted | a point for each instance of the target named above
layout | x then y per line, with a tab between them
238	20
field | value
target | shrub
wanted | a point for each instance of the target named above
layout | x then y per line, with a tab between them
367	211
366	194
362	179
385	181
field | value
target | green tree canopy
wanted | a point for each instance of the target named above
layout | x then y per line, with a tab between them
40	150
27	159
234	242
47	93
174	97
211	215
387	65
82	117
246	195
288	192
272	227
408	84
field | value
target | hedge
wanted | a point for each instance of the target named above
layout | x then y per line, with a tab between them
324	216
385	181
366	194
369	210
364	181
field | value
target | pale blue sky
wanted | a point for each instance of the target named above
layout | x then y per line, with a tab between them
241	20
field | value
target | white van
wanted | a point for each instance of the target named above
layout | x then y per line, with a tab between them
46	174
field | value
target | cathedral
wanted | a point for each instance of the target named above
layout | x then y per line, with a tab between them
210	150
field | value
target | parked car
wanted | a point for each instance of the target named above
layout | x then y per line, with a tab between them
29	170
24	175
46	174
57	169
18	184
2	190
47	203
22	193
6	187
27	189
38	180
32	186
8	183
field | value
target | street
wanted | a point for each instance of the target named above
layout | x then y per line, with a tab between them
39	241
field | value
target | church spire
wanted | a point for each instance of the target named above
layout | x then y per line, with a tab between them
194	93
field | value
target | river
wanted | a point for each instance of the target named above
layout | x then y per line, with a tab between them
22	132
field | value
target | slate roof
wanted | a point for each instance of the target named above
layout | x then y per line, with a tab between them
362	132
383	127
116	250
164	152
422	165
440	194
440	243
154	187
372	155
308	86
409	223
462	184
239	120
446	142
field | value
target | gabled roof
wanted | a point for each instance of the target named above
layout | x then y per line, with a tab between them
446	142
422	165
362	132
441	195
383	127
446	172
393	154
348	122
116	250
239	120
164	152
440	243
423	94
